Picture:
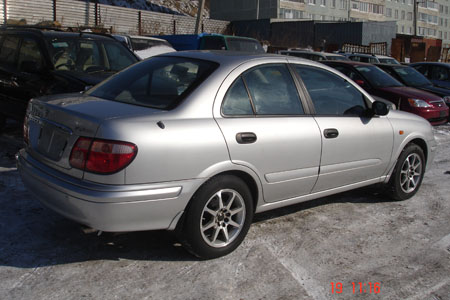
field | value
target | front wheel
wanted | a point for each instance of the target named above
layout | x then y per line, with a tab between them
218	217
408	173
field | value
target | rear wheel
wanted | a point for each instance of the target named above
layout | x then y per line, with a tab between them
408	173
218	218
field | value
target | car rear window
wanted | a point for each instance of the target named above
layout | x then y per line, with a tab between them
248	45
160	82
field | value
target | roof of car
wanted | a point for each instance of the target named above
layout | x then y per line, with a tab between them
55	32
431	63
359	54
391	65
234	57
348	62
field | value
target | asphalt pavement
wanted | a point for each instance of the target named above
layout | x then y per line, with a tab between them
354	245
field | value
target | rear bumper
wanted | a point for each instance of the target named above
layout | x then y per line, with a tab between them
107	207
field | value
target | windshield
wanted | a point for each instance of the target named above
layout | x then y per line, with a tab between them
142	43
89	56
336	57
391	61
377	77
412	77
159	82
248	45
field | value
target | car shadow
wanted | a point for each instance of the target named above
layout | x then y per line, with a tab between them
33	236
372	194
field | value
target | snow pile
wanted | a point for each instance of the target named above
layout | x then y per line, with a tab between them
155	50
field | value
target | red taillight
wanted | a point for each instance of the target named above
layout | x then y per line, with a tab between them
101	156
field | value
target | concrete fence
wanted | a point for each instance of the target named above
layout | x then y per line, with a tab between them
121	20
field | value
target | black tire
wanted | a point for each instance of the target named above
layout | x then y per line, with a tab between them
202	233
408	173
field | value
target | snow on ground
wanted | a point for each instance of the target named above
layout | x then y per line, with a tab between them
295	252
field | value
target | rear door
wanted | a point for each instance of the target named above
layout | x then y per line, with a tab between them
8	69
268	130
355	148
22	75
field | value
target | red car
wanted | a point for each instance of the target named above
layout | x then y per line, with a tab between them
378	83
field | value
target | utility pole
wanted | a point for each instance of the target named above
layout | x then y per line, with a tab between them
257	9
416	4
199	16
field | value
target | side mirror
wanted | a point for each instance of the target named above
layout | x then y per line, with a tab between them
379	108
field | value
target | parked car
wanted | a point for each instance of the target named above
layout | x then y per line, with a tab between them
438	73
413	78
316	56
35	62
368	58
173	143
387	60
145	46
212	41
377	82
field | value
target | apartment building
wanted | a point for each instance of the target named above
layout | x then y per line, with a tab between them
433	17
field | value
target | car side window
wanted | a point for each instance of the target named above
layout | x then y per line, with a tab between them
439	73
331	94
9	50
30	53
422	69
236	101
273	91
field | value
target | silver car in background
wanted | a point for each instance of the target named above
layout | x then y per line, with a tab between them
198	142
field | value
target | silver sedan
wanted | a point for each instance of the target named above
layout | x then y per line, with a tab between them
198	142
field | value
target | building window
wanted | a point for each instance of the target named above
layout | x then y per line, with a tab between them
403	14
441	21
333	3
409	16
403	29
410	30
323	2
441	8
343	4
312	2
388	12
446	10
396	14
445	35
440	34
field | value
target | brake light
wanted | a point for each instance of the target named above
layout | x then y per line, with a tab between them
101	156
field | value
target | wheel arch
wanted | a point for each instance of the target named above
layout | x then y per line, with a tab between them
251	180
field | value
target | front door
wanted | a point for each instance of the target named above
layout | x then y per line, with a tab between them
355	148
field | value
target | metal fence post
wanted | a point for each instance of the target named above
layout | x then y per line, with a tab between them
140	22
54	10
5	11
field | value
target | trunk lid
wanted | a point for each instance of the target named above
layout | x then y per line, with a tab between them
54	123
